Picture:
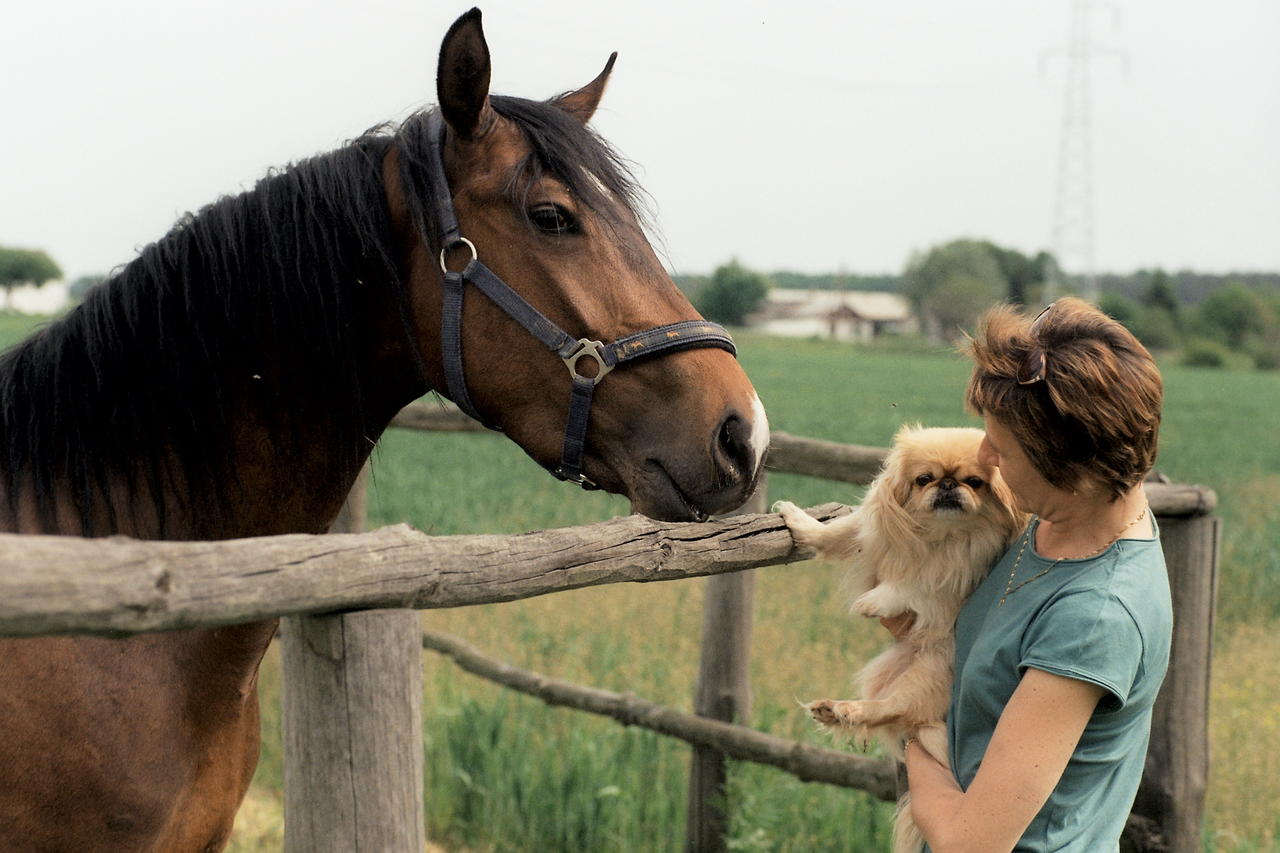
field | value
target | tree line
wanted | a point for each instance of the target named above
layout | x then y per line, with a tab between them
1203	319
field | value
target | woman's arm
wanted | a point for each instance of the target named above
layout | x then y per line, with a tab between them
1032	743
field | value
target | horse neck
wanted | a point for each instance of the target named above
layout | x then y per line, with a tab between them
229	382
307	494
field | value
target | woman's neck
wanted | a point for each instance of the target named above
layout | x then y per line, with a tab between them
1079	524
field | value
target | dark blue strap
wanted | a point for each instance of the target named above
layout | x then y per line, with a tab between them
575	433
673	337
451	343
446	221
555	338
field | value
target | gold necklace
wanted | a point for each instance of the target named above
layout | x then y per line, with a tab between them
1010	589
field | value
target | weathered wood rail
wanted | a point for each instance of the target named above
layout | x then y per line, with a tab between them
807	763
116	586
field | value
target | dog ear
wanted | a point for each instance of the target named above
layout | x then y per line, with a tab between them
888	495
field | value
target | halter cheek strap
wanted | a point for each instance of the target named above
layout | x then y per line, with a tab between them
673	337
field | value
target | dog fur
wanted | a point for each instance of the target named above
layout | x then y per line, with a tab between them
930	527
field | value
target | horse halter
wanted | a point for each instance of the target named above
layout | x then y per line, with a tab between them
673	337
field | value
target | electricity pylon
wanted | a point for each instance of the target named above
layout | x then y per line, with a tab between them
1072	235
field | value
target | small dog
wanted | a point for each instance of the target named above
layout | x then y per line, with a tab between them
930	527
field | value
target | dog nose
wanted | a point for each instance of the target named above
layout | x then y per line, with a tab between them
947	484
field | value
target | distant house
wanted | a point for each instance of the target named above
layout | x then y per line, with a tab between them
859	315
47	299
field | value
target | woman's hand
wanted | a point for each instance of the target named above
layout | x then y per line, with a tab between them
899	626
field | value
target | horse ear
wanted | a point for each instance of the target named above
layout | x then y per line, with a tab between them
582	103
462	78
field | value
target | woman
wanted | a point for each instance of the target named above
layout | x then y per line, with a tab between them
1061	650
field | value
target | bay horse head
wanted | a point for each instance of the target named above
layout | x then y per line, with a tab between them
531	259
230	380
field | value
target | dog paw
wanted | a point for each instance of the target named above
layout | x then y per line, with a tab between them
834	714
789	511
805	529
881	601
867	605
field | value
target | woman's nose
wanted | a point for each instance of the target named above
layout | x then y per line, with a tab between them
987	456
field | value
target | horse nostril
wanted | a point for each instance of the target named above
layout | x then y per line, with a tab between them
733	442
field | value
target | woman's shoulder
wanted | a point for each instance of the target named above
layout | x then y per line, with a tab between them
1127	584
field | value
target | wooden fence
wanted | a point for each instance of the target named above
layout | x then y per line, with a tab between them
352	714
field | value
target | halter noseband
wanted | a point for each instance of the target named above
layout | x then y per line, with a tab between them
673	337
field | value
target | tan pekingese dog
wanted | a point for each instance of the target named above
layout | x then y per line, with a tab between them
931	525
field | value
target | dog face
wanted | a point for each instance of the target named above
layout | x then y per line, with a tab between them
934	475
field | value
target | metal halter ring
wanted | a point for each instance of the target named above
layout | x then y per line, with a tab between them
459	241
594	349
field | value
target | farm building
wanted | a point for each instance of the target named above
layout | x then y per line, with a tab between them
857	315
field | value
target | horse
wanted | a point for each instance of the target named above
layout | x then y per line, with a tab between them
231	380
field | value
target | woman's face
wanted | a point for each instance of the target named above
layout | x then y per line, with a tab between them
1002	450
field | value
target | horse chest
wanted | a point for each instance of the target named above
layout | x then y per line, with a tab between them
120	745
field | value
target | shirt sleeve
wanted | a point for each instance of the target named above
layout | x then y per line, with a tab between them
1088	635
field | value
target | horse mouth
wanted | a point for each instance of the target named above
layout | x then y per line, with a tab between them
661	498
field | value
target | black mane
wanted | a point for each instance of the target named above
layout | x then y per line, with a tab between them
252	299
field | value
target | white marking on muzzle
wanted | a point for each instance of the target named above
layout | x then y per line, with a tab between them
759	431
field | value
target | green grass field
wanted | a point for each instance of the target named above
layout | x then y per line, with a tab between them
507	773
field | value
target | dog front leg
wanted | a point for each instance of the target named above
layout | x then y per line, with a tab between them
916	697
836	539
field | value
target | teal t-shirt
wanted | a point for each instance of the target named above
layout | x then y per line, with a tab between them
1106	620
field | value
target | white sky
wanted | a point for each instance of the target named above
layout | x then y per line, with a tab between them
807	135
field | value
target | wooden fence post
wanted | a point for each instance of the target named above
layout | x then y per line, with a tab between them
352	720
1170	804
723	693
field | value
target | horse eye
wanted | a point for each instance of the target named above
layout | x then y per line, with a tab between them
553	219
924	479
974	482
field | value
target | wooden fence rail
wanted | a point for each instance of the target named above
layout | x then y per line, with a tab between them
117	586
807	763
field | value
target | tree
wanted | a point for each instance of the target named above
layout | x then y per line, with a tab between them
733	292
1161	294
1021	272
1155	327
1120	308
1235	315
80	288
25	266
951	285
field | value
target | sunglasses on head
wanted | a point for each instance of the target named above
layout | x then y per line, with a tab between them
1032	370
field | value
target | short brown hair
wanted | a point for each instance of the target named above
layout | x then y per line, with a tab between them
1078	391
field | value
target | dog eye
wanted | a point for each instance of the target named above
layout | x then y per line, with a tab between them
924	479
974	482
